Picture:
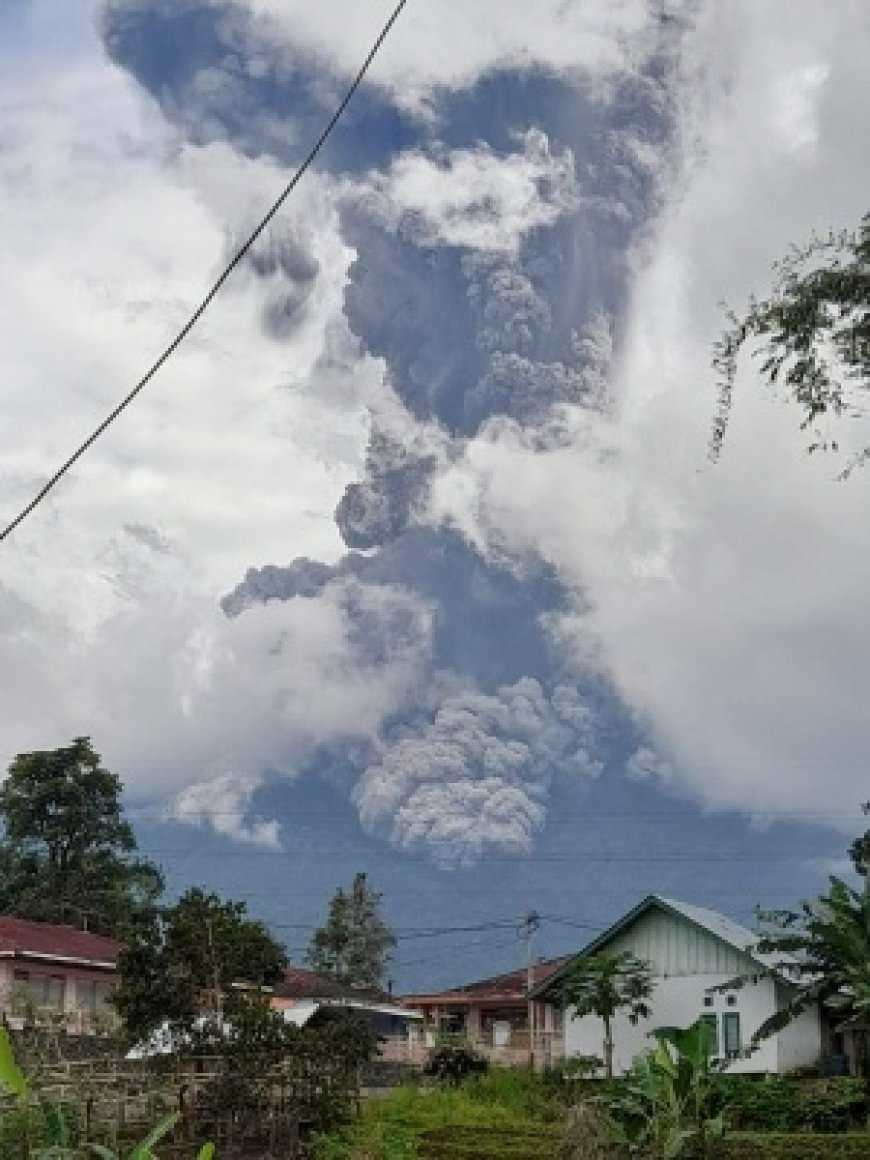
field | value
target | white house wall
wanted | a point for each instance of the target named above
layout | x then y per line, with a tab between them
678	1001
800	1041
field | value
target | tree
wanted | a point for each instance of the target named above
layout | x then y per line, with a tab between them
67	853
354	944
813	333
825	949
602	984
185	962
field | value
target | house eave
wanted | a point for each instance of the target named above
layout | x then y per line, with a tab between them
65	960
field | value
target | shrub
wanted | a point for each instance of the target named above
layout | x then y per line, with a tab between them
783	1103
454	1063
794	1146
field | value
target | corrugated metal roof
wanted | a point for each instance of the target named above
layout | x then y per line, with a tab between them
731	933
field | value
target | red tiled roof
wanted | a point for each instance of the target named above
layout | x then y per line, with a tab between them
301	984
507	988
19	937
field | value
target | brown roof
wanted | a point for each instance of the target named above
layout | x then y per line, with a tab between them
507	988
301	984
21	938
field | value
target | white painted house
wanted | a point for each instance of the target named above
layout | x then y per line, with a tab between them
692	950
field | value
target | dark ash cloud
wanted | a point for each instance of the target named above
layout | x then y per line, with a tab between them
471	326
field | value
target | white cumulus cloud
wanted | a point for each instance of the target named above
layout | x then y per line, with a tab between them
225	804
726	603
474	199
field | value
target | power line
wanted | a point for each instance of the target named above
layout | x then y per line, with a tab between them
405	934
570	857
213	292
591	817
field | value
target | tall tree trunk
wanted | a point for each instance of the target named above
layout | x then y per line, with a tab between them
608	1048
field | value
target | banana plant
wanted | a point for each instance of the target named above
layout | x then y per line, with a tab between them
144	1150
44	1128
662	1106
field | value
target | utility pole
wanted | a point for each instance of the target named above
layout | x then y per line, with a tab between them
530	924
218	997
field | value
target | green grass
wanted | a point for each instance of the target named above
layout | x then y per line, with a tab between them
507	1114
512	1114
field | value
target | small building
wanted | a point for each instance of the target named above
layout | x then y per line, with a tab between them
694	953
56	975
492	1015
301	994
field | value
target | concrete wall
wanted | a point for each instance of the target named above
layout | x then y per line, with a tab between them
679	1001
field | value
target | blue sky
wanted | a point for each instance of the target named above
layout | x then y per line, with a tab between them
412	560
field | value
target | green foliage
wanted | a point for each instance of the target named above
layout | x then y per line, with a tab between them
255	1045
67	853
539	1096
813	333
33	1127
511	1114
778	1103
663	1104
512	1143
354	944
603	984
491	1117
454	1062
188	958
825	947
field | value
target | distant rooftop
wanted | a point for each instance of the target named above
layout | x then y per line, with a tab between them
299	983
25	939
506	988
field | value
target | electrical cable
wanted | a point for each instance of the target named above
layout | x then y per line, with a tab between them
213	292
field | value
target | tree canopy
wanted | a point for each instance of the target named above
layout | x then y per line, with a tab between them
812	334
186	963
825	948
602	984
354	944
67	853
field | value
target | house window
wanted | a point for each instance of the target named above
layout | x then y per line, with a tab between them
710	1020
708	1000
731	1034
34	992
54	992
22	1000
94	997
731	1000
